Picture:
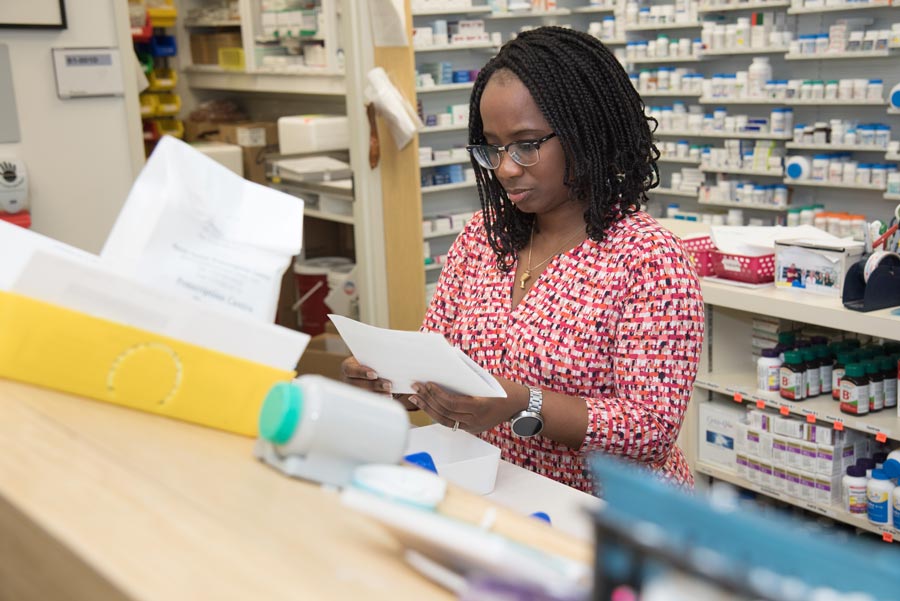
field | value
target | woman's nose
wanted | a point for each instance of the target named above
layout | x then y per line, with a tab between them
508	168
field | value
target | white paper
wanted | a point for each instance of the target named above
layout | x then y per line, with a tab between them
86	286
408	357
388	20
756	241
193	228
403	121
18	244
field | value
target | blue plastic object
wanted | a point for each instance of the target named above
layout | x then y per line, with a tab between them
423	460
542	516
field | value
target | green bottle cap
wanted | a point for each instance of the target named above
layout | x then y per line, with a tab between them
793	357
281	412
856	370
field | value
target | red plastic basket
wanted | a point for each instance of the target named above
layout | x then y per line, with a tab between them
753	270
700	251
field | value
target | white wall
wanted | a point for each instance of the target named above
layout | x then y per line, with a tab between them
81	154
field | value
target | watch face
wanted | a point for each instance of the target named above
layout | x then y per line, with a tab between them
528	425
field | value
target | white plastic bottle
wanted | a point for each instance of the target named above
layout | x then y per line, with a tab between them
768	370
759	72
878	498
895	506
854	490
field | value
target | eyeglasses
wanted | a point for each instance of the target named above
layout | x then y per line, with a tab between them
524	152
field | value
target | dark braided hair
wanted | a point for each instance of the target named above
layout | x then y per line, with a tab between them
585	95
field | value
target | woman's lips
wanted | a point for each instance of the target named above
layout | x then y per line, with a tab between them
517	195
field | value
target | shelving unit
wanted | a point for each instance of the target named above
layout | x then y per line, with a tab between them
661	27
445	87
741	205
738	51
834	147
442	162
812	102
815	184
739	171
838	8
446	187
860	54
559	12
669	94
300	81
583	10
726	135
434	129
472	10
678	160
672	192
741	101
431	235
663	61
434	267
347	219
454	47
741	6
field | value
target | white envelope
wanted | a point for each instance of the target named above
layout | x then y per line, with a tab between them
408	357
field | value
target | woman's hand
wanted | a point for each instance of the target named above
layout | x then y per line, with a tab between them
363	377
474	414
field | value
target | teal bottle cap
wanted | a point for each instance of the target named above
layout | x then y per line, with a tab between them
856	370
281	412
793	357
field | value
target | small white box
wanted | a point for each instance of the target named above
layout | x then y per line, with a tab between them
741	463
441	225
718	429
753	473
765	446
788	427
793	482
425	154
312	133
229	155
828	490
765	474
740	438
779	478
792	455
807	486
752	443
828	460
815	266
460	113
808	457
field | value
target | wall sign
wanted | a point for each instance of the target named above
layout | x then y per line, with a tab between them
33	14
87	72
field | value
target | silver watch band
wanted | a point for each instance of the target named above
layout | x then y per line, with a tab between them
535	399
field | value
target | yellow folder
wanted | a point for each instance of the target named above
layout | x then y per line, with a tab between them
54	347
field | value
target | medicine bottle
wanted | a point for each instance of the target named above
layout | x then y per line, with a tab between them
768	370
876	385
855	390
793	385
785	343
854	490
867	464
889	369
826	367
837	372
878	498
813	373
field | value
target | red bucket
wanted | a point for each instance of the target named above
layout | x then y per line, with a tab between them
312	288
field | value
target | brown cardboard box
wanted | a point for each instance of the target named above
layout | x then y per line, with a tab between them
251	133
196	131
323	356
254	159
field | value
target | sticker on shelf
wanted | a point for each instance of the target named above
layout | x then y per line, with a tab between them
838	426
811	418
760	404
738	397
888	537
881	437
784	411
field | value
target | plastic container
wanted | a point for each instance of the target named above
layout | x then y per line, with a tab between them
876	385
853	488
878	498
837	373
888	367
855	390
312	288
768	371
700	251
459	457
759	72
813	373
792	385
743	268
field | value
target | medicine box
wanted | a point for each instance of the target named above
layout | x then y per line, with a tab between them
815	266
717	433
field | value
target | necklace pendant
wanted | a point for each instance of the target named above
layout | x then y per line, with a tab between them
525	277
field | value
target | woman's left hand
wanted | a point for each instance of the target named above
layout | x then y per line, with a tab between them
474	414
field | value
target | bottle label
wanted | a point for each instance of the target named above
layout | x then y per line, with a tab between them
767	377
850	398
836	375
890	392
876	396
813	383
791	383
895	513
826	377
878	506
855	499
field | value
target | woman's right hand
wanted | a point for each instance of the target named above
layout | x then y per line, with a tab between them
364	377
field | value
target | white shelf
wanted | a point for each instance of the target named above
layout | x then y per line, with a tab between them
892	196
671	192
837	8
614	41
724	101
718	134
678	160
443	162
594	9
307	212
446	187
838	55
822	407
309	81
835	512
434	267
450	47
812	102
739	171
662	61
472	10
742	205
657	27
430	235
734	51
834	147
445	87
817	184
669	94
434	129
220	23
531	14
799	306
733	6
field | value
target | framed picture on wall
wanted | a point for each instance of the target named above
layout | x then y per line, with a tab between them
33	14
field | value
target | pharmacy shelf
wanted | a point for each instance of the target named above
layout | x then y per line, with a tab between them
472	10
836	102
678	133
679	160
630	28
734	6
672	192
804	307
436	129
739	171
835	512
434	267
445	87
301	80
593	9
838	55
817	184
734	51
892	196
447	187
451	47
741	205
724	101
837	8
662	61
325	216
429	235
834	147
443	162
212	23
614	41
531	14
669	94
742	385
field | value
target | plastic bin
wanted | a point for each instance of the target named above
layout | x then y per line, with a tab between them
149	105
162	79
743	268
459	457
169	105
700	251
232	59
170	127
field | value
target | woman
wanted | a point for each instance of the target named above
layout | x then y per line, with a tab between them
585	310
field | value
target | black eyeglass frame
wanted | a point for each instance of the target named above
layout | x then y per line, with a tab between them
501	149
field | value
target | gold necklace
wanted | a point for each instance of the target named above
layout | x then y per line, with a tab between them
526	275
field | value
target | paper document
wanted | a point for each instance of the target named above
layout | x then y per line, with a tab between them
408	357
193	228
18	244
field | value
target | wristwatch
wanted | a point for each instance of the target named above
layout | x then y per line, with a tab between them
530	422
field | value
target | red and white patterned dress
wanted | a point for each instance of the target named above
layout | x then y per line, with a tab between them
618	323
